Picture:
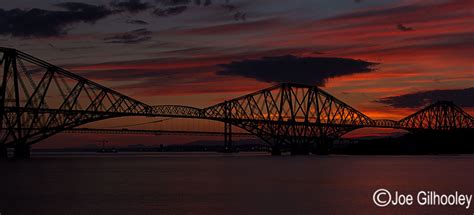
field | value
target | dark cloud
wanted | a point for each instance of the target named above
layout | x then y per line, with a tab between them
171	7
240	16
402	27
305	70
83	7
461	97
171	11
229	7
233	9
135	36
137	22
43	23
203	2
132	6
173	2
174	7
167	8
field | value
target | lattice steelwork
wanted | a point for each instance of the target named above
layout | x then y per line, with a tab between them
438	116
38	99
291	116
176	111
386	123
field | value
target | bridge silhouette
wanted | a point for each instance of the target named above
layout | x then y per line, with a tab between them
39	100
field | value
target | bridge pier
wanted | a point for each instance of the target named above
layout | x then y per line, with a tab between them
300	149
276	151
322	146
3	152
22	151
276	147
228	148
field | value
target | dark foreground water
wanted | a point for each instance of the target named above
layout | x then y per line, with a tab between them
226	184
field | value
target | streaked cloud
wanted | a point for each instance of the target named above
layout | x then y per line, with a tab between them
134	36
132	6
170	11
461	97
137	22
173	2
420	45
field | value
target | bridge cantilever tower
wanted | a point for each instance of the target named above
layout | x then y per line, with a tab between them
38	100
440	116
296	117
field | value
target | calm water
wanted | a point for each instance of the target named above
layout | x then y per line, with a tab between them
225	184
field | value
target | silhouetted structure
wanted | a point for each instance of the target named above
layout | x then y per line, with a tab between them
423	142
38	100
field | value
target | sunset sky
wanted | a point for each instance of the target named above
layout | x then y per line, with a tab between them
385	58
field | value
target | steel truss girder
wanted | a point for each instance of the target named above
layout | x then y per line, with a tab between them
441	115
290	114
291	102
38	100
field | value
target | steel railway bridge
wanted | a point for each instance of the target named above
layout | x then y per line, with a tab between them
39	100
